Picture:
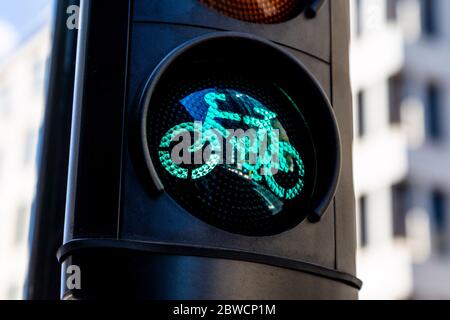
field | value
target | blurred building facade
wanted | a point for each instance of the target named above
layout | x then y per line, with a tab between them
22	99
380	149
401	82
426	114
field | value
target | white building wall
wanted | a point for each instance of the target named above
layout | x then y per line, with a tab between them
428	61
380	155
21	110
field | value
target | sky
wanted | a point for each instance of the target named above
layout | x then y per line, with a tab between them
20	13
16	20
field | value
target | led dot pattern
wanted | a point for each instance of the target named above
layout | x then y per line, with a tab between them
258	11
238	199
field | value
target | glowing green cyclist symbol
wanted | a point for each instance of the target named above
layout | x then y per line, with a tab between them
265	167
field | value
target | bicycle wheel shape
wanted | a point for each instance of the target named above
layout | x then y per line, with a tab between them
174	166
289	162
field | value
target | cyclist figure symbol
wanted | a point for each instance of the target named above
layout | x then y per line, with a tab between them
279	156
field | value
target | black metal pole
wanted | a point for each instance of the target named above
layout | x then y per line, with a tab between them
48	215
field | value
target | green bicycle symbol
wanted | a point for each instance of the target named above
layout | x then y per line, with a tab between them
279	156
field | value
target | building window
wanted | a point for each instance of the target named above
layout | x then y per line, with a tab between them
5	103
400	207
38	76
433	112
395	84
30	142
359	17
47	74
1	164
429	17
361	113
391	10
363	223
438	208
439	216
13	292
21	227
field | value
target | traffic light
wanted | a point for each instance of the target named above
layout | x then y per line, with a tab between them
211	151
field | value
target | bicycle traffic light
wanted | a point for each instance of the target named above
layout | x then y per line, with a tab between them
206	153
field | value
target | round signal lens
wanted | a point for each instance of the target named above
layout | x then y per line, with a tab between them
254	163
246	146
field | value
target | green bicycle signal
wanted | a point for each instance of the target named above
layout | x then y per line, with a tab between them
275	157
